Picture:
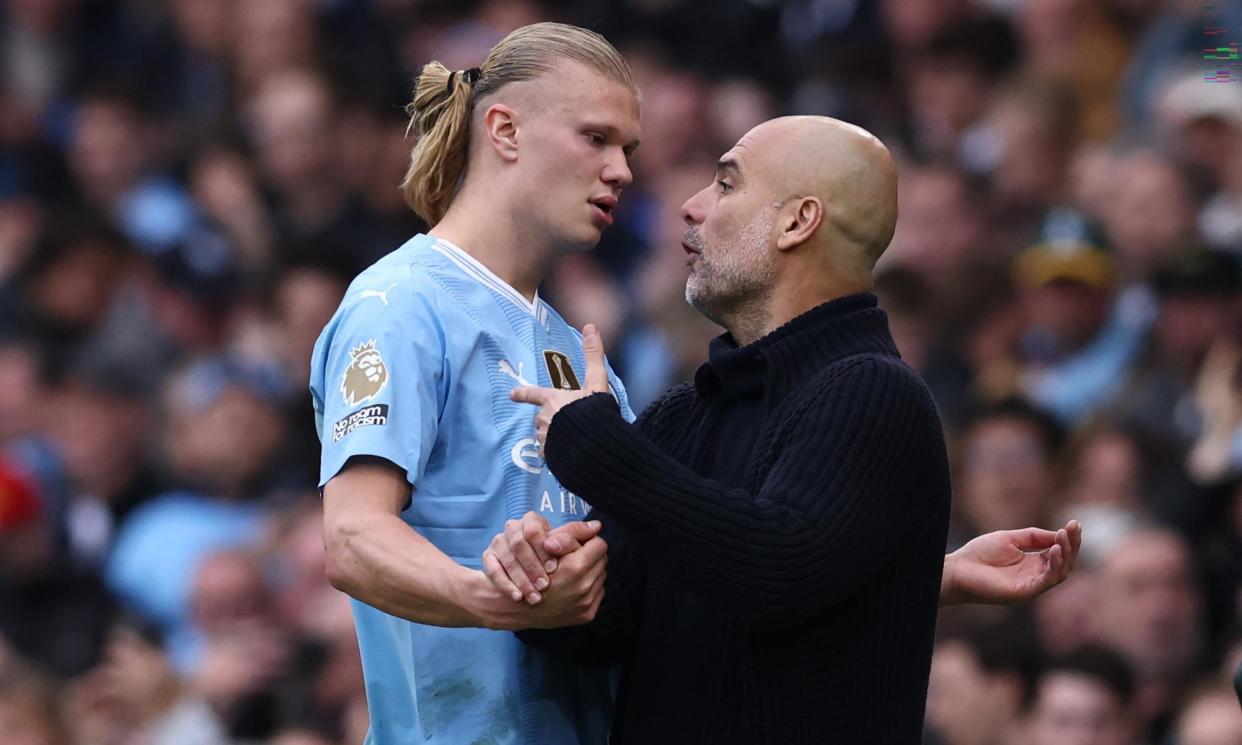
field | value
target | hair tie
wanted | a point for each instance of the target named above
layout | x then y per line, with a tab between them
470	76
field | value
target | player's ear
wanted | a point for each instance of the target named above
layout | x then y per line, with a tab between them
500	127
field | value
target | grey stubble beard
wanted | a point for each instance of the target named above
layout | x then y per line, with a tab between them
733	287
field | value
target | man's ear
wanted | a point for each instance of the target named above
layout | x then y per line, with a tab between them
799	219
500	124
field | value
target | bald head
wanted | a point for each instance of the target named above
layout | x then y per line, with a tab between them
846	168
796	215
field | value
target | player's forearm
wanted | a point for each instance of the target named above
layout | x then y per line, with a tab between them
379	560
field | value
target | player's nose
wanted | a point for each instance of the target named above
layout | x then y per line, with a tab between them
617	173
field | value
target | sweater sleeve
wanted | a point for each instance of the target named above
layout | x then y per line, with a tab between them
859	467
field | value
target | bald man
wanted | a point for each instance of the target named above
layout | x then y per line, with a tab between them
776	527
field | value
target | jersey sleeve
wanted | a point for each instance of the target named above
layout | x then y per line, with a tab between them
378	381
619	393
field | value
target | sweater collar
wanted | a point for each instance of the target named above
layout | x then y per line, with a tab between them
806	344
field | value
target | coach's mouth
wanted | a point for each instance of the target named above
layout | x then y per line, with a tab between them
690	250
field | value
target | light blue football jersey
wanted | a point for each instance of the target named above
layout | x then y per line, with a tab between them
416	367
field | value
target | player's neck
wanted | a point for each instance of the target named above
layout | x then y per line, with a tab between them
497	244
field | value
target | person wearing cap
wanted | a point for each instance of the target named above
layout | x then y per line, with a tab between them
1075	344
1199	346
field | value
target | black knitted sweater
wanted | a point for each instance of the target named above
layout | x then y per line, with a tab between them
776	538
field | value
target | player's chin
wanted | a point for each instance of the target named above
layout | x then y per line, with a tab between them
584	239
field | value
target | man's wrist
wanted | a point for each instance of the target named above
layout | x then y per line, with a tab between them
948	581
480	600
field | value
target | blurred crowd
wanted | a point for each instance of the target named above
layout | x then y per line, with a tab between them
187	187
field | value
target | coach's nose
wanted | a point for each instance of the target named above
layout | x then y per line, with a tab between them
694	209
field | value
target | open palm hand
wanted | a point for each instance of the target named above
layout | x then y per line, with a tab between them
1011	566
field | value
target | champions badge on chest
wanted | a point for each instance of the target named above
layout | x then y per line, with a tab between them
560	371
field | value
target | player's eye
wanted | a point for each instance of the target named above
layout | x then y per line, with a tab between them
596	138
724	185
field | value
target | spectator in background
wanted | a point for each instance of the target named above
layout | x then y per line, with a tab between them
227	189
98	425
39	40
1105	467
925	345
116	158
52	610
272	38
1201	124
980	680
373	151
1210	716
1005	473
948	82
23	370
292	119
1198	294
203	34
1025	147
734	107
244	653
279	335
1151	217
134	695
29	709
1064	620
674	112
941	237
913	25
172	307
1083	698
1149	608
1074	346
1065	342
1169	34
326	662
1080	43
67	285
222	427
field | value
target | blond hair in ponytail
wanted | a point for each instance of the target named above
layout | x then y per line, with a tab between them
443	104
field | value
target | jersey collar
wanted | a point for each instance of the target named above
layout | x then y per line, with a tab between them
480	273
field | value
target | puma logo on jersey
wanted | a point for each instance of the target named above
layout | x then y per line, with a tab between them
383	296
507	369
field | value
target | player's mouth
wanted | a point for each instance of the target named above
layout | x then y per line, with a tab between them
604	207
